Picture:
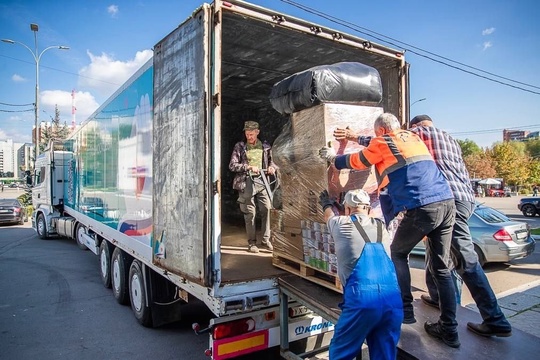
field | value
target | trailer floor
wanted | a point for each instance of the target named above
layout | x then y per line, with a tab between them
237	264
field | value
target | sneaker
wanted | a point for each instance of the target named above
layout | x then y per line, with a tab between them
408	317
449	338
267	245
488	330
426	299
252	248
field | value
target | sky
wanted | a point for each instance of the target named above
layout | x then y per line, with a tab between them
110	40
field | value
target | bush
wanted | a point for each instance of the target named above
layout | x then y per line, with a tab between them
524	191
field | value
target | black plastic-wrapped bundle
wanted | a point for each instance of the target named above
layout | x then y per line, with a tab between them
344	82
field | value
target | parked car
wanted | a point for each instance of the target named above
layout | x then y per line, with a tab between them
12	211
529	206
496	238
496	193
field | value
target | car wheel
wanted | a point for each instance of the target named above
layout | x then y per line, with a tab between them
81	230
528	210
41	227
105	263
119	276
137	295
481	258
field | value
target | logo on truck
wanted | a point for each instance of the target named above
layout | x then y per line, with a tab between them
299	330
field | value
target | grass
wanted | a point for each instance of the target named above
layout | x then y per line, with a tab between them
535	231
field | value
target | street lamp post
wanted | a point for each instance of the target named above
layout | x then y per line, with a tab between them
417	101
37	57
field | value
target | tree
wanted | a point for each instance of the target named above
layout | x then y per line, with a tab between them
468	147
511	162
480	165
54	132
534	172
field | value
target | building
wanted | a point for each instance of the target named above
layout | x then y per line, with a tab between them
15	158
520	135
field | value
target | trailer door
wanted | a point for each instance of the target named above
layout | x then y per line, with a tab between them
180	146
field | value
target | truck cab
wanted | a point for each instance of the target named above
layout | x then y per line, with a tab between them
48	187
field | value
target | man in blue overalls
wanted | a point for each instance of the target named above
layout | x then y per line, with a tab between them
372	309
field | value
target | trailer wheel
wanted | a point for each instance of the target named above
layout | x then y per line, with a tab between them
81	229
41	226
137	295
119	276
105	262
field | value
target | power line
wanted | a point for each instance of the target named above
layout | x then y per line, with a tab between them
473	132
62	71
16	111
408	47
6	104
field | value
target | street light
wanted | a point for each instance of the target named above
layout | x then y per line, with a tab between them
417	101
37	57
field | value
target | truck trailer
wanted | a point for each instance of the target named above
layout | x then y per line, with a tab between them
144	182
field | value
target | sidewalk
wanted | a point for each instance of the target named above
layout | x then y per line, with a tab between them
521	305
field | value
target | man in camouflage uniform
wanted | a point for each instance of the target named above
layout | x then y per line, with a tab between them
248	159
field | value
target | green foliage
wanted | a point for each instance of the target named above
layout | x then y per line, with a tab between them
54	132
26	198
511	163
469	147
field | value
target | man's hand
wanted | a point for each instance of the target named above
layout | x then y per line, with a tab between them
345	134
327	153
325	200
253	169
271	170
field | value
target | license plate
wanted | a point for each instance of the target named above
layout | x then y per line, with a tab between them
521	235
3	211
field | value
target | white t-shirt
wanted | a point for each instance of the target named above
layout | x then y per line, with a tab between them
349	242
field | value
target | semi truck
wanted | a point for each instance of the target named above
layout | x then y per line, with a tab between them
144	183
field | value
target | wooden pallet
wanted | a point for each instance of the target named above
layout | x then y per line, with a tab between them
300	268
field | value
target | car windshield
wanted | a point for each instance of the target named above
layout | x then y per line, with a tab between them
490	215
9	202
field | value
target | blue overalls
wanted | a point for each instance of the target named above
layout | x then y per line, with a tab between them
372	309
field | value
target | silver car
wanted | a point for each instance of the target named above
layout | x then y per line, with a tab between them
496	238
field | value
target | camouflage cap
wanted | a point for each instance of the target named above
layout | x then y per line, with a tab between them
251	125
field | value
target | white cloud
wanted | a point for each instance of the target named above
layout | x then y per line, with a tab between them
85	105
18	78
112	10
105	74
488	31
487	45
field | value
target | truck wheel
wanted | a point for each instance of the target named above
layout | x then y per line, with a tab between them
119	276
41	227
105	262
528	210
137	295
78	236
481	257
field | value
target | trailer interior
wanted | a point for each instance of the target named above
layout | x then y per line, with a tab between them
256	54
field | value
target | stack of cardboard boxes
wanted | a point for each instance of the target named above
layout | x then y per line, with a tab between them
299	231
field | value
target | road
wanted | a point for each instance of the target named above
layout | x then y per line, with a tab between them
503	277
53	305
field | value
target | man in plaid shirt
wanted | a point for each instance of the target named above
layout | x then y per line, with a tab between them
447	155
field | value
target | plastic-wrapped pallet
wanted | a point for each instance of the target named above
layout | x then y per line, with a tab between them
344	83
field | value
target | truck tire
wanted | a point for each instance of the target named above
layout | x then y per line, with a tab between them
81	229
105	262
41	227
528	210
137	295
119	276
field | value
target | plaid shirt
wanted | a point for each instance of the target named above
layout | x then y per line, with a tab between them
447	155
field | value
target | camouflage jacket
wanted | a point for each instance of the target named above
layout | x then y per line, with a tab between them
239	163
